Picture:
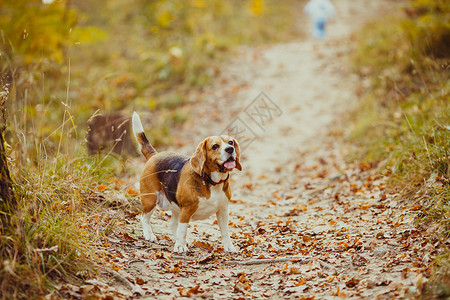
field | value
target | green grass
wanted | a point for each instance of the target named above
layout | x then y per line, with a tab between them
403	122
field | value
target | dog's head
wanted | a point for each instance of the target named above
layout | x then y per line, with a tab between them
216	154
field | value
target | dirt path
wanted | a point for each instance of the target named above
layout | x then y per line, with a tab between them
306	223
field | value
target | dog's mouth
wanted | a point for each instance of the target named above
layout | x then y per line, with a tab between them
228	165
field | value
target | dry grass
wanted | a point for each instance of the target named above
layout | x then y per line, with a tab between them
403	124
53	228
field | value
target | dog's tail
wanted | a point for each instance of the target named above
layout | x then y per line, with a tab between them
146	148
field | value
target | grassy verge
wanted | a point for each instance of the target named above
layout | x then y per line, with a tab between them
53	227
403	122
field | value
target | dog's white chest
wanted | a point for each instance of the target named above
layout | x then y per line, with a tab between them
208	207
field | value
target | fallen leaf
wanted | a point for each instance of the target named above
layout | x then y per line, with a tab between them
352	282
204	245
173	270
140	281
380	235
192	291
306	239
206	258
405	273
132	192
383	282
302	281
128	237
415	207
101	187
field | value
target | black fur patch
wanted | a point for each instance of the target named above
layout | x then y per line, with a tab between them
169	171
143	138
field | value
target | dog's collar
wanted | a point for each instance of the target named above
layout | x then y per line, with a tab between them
208	179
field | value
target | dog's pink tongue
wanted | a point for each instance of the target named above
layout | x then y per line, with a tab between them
230	164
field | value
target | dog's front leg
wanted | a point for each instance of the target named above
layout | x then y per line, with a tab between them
180	238
222	220
181	231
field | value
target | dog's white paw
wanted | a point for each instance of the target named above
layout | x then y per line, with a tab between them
229	248
149	236
180	248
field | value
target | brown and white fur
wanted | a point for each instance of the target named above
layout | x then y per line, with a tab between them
193	188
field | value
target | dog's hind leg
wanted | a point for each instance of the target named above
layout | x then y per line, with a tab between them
150	188
146	227
148	201
174	223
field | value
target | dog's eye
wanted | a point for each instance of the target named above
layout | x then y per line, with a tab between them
230	142
215	147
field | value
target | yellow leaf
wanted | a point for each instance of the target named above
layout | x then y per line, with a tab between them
257	6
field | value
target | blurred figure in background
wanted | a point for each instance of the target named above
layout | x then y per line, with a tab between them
320	12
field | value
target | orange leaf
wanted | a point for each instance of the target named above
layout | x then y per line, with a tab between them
415	207
302	281
131	191
306	238
128	237
173	270
101	187
195	290
204	245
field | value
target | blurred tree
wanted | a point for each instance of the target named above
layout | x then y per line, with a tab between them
7	199
33	32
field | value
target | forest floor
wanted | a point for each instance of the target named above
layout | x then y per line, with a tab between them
307	224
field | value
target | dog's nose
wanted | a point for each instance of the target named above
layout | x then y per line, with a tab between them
229	149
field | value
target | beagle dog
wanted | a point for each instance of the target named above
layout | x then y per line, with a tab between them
193	188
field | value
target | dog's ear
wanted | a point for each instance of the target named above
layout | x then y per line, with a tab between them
238	155
198	159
